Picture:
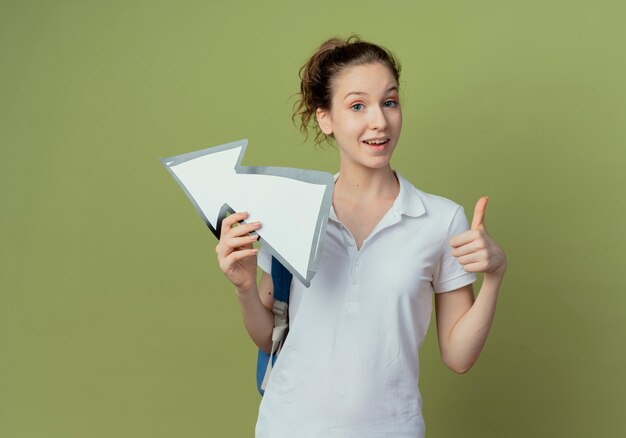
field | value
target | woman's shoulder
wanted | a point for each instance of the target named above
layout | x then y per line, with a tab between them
431	203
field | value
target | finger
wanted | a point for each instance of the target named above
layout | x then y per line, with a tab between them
241	242
235	256
228	245
478	222
244	229
230	220
464	238
476	267
469	248
475	257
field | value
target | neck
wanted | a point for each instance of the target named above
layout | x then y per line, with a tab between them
365	183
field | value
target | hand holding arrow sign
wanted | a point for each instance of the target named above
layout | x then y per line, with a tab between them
293	204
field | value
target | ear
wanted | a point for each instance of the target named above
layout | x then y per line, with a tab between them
324	121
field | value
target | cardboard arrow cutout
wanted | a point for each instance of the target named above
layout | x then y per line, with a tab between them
293	205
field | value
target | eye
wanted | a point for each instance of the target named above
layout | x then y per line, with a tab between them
390	104
357	106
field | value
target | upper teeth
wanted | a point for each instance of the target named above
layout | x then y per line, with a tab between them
375	141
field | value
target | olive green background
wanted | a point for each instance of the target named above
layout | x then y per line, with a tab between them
115	320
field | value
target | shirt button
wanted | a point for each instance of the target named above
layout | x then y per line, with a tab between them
356	264
354	281
350	242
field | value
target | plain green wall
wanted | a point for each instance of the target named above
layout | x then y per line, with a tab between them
115	320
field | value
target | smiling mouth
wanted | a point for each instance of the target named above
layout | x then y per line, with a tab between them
376	142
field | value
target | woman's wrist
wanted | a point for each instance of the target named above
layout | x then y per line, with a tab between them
244	293
494	279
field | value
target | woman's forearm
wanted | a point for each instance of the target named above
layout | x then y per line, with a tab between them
469	335
258	320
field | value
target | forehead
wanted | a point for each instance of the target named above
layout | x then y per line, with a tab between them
368	78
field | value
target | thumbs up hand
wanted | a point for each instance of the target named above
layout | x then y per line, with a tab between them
475	249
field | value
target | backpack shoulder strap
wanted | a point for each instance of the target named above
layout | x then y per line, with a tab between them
281	279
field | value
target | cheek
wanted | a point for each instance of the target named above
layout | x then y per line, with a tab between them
398	120
349	128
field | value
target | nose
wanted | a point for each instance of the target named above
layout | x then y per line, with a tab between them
378	119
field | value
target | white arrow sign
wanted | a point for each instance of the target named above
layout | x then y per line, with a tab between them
292	204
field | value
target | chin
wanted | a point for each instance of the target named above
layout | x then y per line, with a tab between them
377	164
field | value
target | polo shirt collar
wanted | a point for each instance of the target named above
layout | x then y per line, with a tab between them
408	201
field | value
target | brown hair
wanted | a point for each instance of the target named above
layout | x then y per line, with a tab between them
324	65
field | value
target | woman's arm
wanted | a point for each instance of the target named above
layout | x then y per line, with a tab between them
237	259
463	322
256	311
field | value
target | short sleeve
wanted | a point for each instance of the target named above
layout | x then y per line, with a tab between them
264	259
450	274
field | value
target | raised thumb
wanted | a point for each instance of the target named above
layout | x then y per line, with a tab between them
478	222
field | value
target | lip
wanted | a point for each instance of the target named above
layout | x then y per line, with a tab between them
377	147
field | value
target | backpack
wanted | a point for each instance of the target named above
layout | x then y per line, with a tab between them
281	278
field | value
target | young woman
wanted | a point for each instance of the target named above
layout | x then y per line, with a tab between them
350	366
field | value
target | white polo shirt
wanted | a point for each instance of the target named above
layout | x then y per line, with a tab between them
349	366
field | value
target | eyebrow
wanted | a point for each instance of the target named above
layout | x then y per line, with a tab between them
362	93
